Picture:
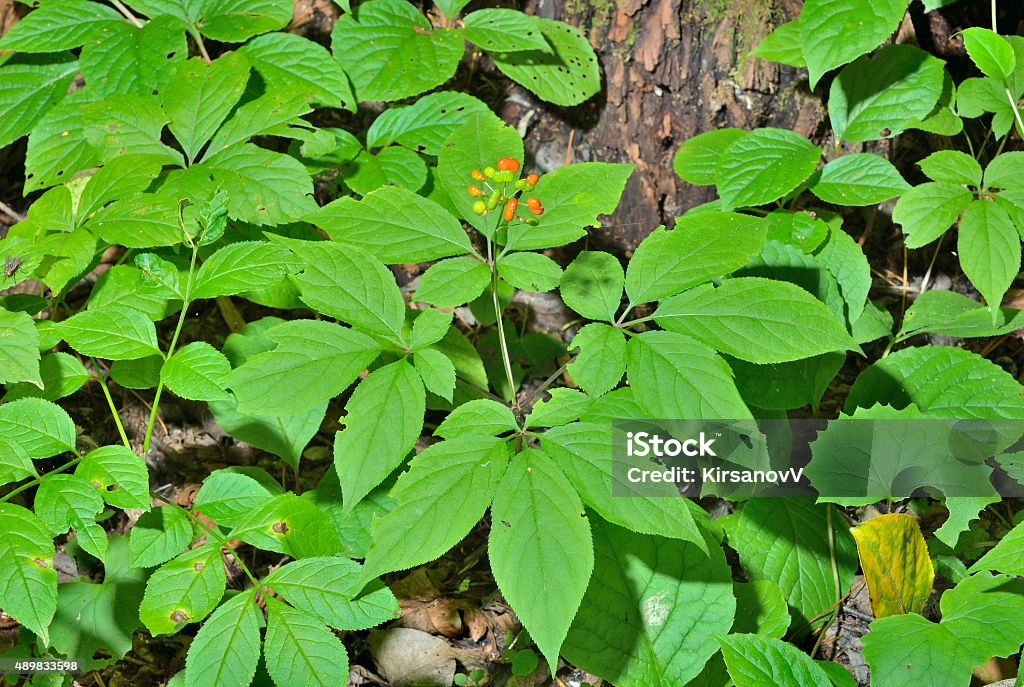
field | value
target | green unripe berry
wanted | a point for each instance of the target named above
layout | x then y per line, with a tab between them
489	172
479	207
521	184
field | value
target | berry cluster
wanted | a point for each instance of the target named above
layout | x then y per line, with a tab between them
499	194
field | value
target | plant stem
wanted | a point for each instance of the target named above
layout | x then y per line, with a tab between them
127	13
552	378
199	44
501	332
37	479
102	378
11	212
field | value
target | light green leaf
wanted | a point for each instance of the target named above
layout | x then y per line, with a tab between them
529	271
42	429
123	176
437	372
197	372
199	97
19	354
68	501
383	420
601	361
563	406
764	166
57	147
858	179
127	124
270	113
226	649
479	417
697	160
395	225
834	32
140	373
159	535
145	220
263	187
953	166
878	97
122	59
505	31
754	661
962	511
286	436
453	282
592	285
565	74
442	496
118	474
664	598
235	20
332	590
183	590
29	87
845	260
786	541
952	314
321	358
757	320
114	333
574	197
540	526
429	327
701	247
28	588
240	267
992	53
1007	556
226	497
384	47
290	525
60	26
301	651
425	124
783	45
1004	171
393	166
288	61
925	212
989	248
15	463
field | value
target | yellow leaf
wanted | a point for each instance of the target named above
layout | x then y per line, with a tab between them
895	562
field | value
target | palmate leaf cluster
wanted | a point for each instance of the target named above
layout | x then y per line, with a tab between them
201	173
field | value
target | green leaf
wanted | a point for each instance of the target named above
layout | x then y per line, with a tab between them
845	260
453	282
952	314
601	361
300	651
783	386
757	320
42	429
227	647
385	46
234	21
57	147
269	114
584	452
321	358
122	59
989	250
68	501
28	588
1004	171
540	526
19	355
697	160
764	166
290	525
331	589
592	285
183	590
565	74
442	496
123	176
226	497
878	97
480	417
425	124
653	592
786	541
754	660
29	87
979	620
15	463
437	372
285	436
834	32
450	8
145	220
395	225
992	53
574	197
287	61
383	420
240	267
130	124
675	376
760	609
563	406
141	373
200	96
92	616
159	535
925	212
118	474
477	144
114	333
529	271
1006	556
60	26
429	327
783	45
940	380
505	31
953	166
701	247
351	285
197	372
393	166
858	179
263	187
62	375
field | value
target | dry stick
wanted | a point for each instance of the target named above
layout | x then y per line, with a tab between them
11	212
127	13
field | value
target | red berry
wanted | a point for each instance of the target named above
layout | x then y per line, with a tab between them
532	179
478	175
510	209
474	191
508	164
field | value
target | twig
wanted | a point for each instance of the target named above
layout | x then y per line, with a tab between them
127	13
11	212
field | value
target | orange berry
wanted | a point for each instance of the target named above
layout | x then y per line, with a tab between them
508	164
532	179
474	191
510	209
478	175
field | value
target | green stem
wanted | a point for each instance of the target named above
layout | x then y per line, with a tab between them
639	320
37	479
501	332
102	378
